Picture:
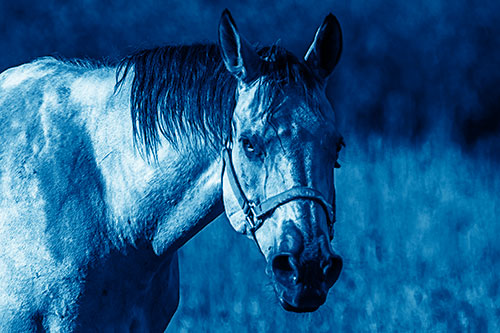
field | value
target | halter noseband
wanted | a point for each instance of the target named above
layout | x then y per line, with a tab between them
256	213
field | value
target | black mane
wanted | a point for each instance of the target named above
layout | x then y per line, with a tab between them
186	93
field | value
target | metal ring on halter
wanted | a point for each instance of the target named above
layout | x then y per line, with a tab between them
253	221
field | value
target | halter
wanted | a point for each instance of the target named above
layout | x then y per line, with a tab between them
255	214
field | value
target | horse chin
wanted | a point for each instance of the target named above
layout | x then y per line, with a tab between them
300	302
291	308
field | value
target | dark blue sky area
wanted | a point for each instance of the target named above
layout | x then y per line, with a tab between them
407	67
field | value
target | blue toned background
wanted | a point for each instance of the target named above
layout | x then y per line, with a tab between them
418	100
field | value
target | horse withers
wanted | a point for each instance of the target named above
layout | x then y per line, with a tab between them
106	171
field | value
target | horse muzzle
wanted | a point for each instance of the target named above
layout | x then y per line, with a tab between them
303	287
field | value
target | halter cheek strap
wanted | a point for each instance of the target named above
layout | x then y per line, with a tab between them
256	213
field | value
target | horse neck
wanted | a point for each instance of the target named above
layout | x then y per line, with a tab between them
194	199
160	203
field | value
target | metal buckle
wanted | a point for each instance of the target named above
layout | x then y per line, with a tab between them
253	222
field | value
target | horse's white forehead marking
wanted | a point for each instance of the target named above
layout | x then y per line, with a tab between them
16	76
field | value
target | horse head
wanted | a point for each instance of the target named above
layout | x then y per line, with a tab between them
278	184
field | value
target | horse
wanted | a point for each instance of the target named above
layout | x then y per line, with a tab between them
107	170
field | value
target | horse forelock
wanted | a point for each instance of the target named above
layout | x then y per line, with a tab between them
186	95
282	76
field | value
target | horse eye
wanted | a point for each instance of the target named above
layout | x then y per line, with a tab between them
247	145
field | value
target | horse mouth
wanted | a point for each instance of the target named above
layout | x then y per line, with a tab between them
288	307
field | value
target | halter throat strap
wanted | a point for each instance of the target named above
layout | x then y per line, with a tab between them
256	213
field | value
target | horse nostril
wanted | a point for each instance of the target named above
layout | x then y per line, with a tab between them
332	270
285	269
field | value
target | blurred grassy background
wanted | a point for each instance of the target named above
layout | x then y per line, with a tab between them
418	230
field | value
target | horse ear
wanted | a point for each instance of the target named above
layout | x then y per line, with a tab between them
239	56
324	52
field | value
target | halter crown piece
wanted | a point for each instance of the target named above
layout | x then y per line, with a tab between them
255	214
